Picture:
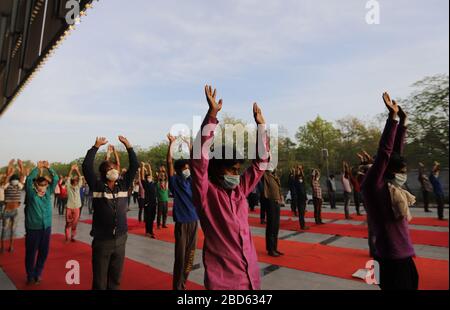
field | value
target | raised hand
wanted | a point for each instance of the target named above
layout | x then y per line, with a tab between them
402	114
391	105
214	106
100	141
125	142
257	114
171	138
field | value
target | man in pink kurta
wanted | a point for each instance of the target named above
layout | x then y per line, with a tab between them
229	255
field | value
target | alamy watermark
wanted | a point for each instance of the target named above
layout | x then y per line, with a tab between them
259	138
373	15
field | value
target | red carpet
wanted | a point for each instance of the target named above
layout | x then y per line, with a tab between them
322	259
425	221
423	237
136	276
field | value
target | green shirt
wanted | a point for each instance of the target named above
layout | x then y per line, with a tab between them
38	210
163	194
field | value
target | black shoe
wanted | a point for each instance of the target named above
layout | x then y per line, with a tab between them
305	228
263	222
279	253
30	281
37	280
274	254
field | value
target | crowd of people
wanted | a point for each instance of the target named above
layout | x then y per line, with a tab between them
218	194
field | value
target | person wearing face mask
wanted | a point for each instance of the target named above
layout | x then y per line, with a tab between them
346	185
438	190
387	205
219	192
317	196
331	188
426	187
302	198
63	197
162	189
12	197
291	185
109	226
38	220
148	200
73	209
272	198
184	216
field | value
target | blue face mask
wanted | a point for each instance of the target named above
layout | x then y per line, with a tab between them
231	181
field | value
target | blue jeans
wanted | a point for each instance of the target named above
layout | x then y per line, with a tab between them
36	242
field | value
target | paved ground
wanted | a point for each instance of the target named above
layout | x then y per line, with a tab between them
159	255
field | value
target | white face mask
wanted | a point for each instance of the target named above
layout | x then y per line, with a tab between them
112	175
15	182
231	181
400	179
186	173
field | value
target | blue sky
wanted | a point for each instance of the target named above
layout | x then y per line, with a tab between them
138	68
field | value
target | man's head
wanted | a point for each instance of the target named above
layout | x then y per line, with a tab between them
182	168
397	165
108	171
226	172
41	185
332	176
14	180
75	181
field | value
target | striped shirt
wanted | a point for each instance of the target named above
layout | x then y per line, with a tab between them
316	188
13	192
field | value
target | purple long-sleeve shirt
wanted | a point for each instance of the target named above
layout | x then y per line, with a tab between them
229	255
391	236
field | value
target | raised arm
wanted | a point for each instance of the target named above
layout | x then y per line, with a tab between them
254	173
399	143
88	163
200	153
53	175
33	175
375	175
134	164
169	158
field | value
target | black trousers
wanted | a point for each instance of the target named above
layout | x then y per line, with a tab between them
332	199
108	257
398	274
149	217
273	224
440	206
357	200
262	211
426	200
317	210
346	204
293	201
301	205
141	205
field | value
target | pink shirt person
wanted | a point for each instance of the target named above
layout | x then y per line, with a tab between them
229	255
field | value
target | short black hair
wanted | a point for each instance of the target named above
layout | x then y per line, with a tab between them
39	180
180	164
103	168
218	164
396	163
14	177
332	176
